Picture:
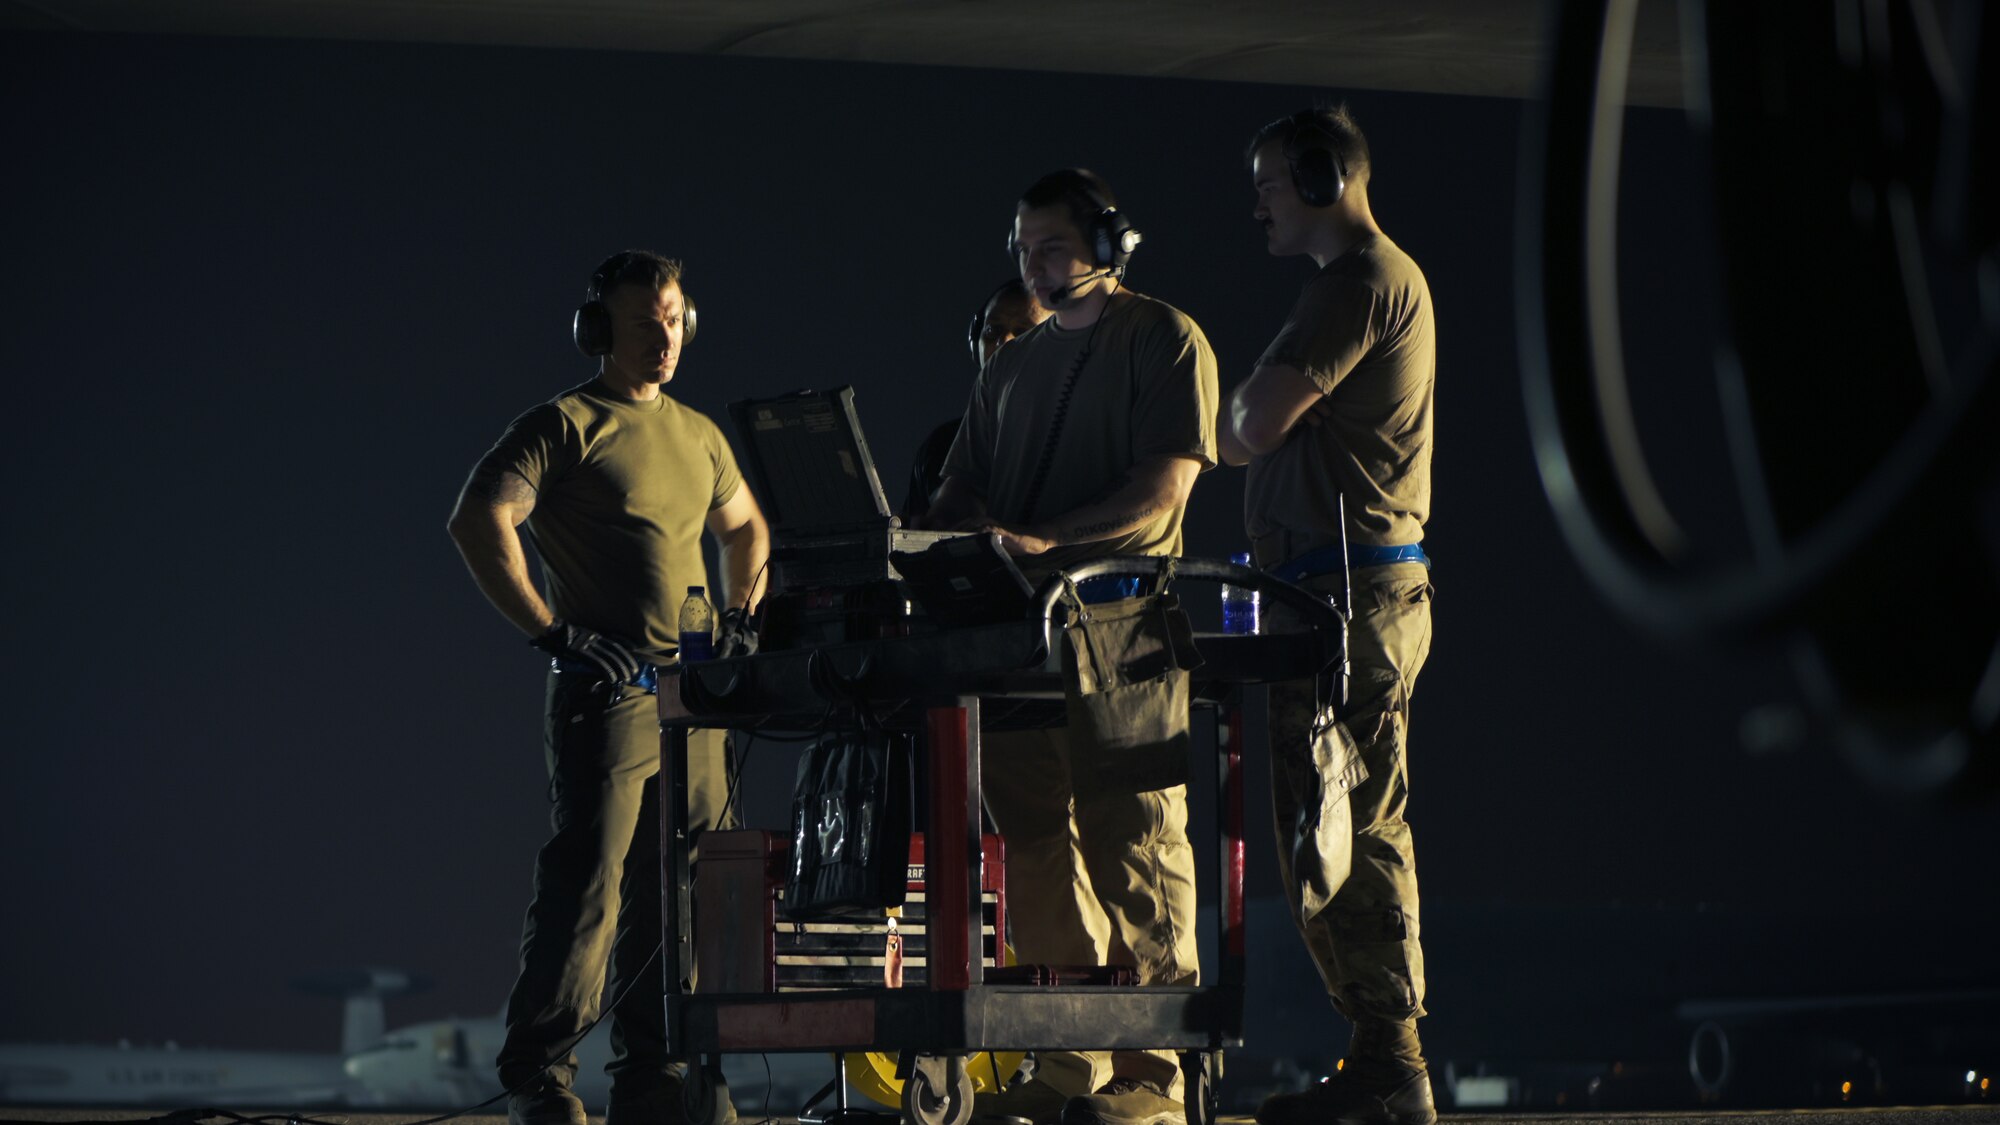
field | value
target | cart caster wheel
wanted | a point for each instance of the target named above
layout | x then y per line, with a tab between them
705	1096
938	1091
1199	1070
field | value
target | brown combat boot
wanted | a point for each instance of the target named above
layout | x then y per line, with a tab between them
1034	1101
1125	1101
1357	1095
661	1103
546	1104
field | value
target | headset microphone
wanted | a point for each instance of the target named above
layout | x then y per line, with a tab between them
1058	296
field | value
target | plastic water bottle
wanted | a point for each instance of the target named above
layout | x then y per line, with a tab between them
697	626
1240	605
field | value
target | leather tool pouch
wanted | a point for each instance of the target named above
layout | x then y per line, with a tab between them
1323	837
850	828
1125	676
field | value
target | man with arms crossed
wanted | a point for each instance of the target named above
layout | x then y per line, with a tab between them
1339	406
1083	438
615	481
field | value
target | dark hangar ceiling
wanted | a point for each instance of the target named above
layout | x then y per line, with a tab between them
1481	47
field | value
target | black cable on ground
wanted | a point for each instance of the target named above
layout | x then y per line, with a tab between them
765	1113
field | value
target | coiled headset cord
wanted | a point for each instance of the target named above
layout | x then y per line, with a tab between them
1048	460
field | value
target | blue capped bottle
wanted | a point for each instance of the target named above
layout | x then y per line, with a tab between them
1240	604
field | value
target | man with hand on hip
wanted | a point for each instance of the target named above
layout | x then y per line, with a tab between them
615	482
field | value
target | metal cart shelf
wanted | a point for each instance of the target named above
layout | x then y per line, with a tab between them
943	687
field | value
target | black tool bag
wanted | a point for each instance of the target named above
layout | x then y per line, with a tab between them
850	828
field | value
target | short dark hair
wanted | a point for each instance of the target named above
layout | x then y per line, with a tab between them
643	268
1318	127
1081	190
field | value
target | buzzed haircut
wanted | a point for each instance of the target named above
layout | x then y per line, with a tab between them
1081	190
1319	127
642	268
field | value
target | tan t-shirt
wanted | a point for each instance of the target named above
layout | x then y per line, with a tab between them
1362	331
623	491
1148	388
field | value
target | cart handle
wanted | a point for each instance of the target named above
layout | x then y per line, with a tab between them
1322	616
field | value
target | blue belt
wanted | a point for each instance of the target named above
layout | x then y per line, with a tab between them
1327	560
647	680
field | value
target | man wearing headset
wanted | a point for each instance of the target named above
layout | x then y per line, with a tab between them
615	481
1008	312
1337	416
1083	438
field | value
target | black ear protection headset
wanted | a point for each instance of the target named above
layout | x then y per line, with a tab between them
1109	234
1318	172
592	327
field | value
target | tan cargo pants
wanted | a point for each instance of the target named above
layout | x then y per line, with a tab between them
597	886
1104	881
1365	943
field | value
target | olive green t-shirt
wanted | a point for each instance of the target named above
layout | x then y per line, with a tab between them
1362	332
622	493
1147	388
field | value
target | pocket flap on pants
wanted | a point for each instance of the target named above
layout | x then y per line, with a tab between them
1323	838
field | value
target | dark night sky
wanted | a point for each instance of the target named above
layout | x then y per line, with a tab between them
267	301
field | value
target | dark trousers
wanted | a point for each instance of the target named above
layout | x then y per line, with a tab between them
597	887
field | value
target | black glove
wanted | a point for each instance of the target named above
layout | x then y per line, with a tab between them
737	637
564	641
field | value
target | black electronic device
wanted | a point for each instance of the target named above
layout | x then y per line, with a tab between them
966	580
1318	172
828	615
831	525
591	327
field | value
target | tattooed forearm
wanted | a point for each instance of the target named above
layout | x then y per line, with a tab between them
1091	531
483	524
1147	490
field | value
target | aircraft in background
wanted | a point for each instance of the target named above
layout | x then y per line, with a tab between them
169	1075
435	1064
448	1063
172	1075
